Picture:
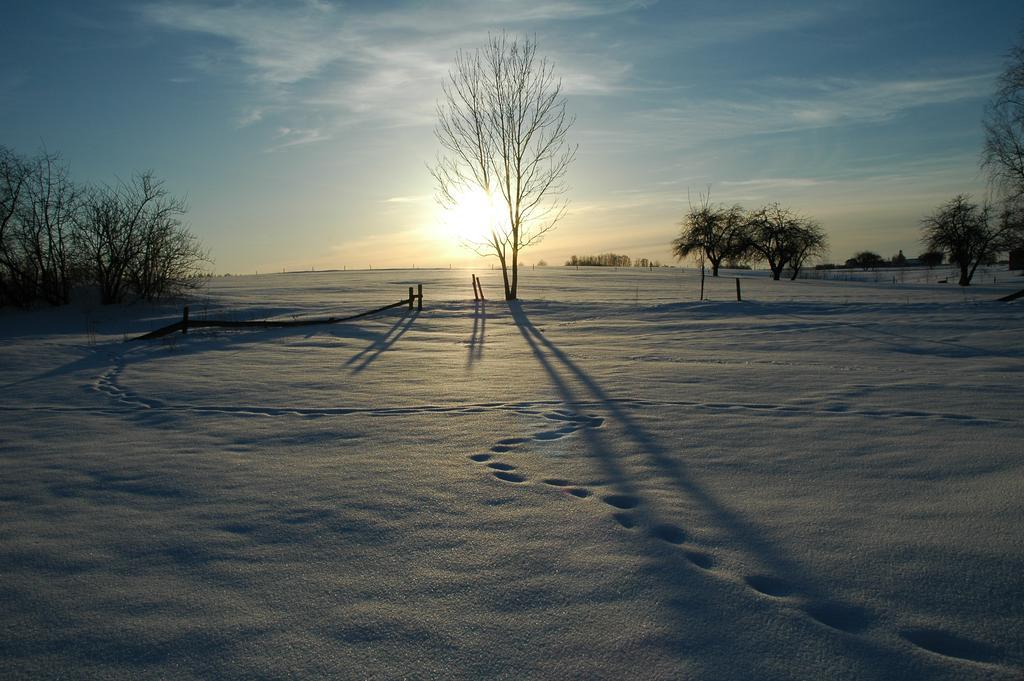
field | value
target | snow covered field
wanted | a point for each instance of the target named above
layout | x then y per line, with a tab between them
608	480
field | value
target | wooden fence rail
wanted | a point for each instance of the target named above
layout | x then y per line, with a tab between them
185	324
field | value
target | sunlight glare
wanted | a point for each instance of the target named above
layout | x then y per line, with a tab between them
473	216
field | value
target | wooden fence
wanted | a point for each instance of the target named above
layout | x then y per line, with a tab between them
415	298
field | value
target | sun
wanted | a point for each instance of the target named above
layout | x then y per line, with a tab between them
473	216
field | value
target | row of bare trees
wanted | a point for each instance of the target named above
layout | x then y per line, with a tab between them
773	234
602	260
125	239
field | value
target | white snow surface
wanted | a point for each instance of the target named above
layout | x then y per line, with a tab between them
610	479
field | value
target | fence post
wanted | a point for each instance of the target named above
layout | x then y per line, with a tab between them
410	297
419	296
476	296
184	320
739	297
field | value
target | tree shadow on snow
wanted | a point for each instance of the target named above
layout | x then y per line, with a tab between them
576	387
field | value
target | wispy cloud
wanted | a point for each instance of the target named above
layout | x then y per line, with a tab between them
290	137
783	105
348	65
418	198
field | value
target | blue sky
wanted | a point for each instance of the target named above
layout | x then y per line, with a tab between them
300	131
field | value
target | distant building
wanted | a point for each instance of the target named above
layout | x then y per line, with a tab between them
1017	259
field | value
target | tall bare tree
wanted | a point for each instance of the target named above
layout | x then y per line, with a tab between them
502	125
971	234
1003	157
715	232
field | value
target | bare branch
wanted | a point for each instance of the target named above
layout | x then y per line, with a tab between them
502	126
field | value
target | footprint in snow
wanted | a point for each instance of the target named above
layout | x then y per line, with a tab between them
849	618
668	533
625	519
509	477
499	466
950	645
623	501
580	492
769	586
702	560
556	482
479	457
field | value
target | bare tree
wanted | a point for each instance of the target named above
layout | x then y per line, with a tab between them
971	234
714	232
782	238
13	177
131	239
502	126
14	173
51	205
811	243
1003	157
169	259
38	202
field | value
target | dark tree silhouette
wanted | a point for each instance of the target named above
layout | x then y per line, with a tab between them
780	237
868	260
14	172
1003	157
811	243
55	234
715	232
932	259
502	126
38	205
131	238
970	233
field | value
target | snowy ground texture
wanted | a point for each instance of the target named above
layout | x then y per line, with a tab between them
608	480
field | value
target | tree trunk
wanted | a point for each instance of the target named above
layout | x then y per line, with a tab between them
504	274
513	291
714	267
966	274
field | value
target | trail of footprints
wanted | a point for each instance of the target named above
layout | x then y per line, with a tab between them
843	617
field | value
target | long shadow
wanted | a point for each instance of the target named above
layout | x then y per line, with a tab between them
371	352
555	362
103	353
476	339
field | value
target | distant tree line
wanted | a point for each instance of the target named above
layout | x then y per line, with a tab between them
869	260
609	260
736	236
125	239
